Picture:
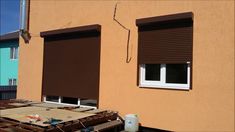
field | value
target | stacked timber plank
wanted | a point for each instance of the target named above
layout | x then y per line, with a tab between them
16	118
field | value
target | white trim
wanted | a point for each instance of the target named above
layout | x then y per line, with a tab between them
162	83
142	73
14	51
88	106
44	98
12	81
78	102
60	102
188	75
163	74
166	86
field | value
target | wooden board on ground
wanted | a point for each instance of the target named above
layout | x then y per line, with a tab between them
24	101
82	109
20	110
18	104
50	105
64	115
95	111
32	102
107	125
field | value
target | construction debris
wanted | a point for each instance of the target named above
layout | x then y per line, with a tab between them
82	109
24	116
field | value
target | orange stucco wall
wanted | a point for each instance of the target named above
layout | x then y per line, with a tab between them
209	106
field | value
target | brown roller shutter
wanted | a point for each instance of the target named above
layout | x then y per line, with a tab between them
72	62
165	39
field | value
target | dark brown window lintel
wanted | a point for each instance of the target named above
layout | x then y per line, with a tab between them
159	19
87	28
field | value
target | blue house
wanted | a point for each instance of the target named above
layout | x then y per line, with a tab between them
9	44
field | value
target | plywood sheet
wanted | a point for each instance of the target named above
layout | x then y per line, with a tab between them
21	110
18	104
64	115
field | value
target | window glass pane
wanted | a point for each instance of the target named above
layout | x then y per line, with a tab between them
10	82
52	98
11	52
88	102
152	72
176	73
69	100
16	53
14	81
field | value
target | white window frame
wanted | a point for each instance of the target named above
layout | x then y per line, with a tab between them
60	102
12	81
14	52
162	83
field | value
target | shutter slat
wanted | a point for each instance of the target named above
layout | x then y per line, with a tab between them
72	64
165	43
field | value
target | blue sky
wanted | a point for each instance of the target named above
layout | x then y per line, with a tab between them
9	15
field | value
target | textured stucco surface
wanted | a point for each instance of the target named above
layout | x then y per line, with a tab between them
209	106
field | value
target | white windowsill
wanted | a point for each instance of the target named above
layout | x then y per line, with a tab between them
60	103
166	86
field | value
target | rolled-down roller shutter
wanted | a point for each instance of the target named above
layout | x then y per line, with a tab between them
165	39
72	62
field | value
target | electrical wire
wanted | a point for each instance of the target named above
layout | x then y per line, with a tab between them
128	58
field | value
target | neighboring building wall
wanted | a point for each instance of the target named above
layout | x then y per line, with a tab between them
8	67
209	106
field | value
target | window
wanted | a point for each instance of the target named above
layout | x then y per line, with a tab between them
165	46
14	53
88	102
172	76
67	70
71	101
12	82
52	98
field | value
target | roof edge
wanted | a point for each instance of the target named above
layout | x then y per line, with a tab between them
10	36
